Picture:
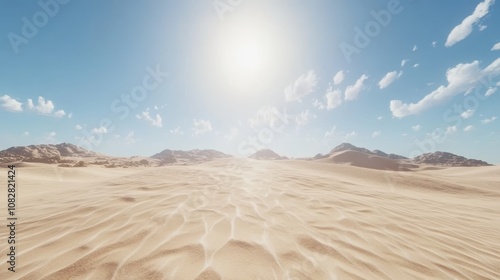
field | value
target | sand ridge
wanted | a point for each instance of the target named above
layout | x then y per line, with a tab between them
251	219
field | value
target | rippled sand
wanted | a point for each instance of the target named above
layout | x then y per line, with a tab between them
249	219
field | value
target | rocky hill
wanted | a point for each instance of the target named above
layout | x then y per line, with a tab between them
45	153
447	159
167	157
265	154
349	147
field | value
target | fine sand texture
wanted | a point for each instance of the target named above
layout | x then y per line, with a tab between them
255	219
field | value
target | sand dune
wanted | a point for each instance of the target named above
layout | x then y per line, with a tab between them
247	219
361	159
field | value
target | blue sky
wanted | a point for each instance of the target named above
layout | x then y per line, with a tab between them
300	77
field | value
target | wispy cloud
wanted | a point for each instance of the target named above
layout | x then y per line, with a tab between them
303	86
201	126
461	78
388	79
100	130
10	104
490	91
464	29
416	127
333	98
156	121
177	131
338	78
233	132
469	128
414	48
496	47
268	116
352	91
318	104
304	118
403	62
467	114
129	139
376	134
487	121
416	65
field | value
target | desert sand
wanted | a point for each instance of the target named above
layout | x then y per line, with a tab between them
250	219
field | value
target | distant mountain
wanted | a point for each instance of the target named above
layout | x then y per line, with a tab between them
265	154
349	147
447	159
187	157
46	153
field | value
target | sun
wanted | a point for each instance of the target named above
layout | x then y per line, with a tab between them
248	57
244	58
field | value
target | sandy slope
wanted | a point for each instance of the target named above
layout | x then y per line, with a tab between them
249	219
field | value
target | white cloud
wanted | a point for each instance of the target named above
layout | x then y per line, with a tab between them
269	116
333	98
303	86
201	126
26	133
129	139
464	29
351	134
434	44
416	127
490	91
339	77
451	129
416	65
482	27
100	130
352	91
461	78
157	121
388	79
403	62
318	104
70	115
379	118
486	121
333	133
78	127
376	134
467	114
177	131
10	104
233	132
469	128
45	108
496	47
304	118
414	48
